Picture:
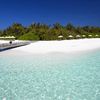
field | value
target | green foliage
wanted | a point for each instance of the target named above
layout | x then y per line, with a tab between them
1	33
29	36
38	31
70	27
16	30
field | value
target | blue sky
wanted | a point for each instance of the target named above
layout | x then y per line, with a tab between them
78	12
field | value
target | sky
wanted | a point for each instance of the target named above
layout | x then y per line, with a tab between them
77	12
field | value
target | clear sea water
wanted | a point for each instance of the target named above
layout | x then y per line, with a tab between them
50	77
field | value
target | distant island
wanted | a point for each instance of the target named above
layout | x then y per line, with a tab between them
39	31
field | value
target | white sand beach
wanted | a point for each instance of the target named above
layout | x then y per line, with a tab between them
64	46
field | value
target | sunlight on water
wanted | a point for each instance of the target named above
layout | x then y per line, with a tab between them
50	77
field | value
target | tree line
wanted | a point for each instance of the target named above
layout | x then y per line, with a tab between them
39	31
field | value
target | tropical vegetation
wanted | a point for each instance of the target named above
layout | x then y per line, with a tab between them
39	31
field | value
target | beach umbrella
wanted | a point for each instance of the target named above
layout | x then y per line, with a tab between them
2	37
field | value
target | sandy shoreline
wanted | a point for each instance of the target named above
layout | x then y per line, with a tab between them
64	46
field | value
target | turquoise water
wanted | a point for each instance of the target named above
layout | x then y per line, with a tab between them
50	77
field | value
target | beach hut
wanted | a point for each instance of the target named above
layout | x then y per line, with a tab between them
96	35
10	37
78	36
83	36
89	35
2	37
70	36
7	37
60	36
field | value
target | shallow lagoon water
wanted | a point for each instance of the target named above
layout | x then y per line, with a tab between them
50	77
